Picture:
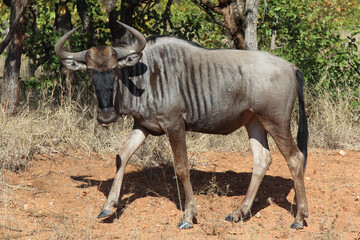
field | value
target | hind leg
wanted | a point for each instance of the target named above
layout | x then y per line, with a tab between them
262	160
295	160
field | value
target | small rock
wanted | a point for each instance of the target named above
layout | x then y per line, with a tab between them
233	232
26	206
51	203
342	153
258	215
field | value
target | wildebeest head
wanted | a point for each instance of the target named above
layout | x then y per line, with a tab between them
103	65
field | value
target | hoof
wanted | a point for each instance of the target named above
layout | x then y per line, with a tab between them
184	225
296	226
104	213
229	218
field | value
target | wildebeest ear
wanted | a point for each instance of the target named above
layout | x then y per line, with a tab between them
74	65
130	60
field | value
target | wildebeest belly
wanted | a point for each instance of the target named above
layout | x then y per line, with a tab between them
223	123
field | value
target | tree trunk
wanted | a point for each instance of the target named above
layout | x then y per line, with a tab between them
126	16
273	37
251	13
86	21
119	35
234	22
233	17
10	86
115	29
63	24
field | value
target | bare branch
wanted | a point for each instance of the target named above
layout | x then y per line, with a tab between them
171	27
208	9
146	9
166	17
212	6
12	30
167	14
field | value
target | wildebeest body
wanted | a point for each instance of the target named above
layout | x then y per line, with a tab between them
170	86
212	91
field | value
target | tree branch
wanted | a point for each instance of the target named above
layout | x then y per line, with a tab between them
166	18
12	30
208	7
212	6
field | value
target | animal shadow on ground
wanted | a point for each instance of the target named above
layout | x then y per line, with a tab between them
160	182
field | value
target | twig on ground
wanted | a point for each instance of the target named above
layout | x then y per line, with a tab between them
10	228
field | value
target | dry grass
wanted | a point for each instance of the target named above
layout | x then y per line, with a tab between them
334	124
58	129
53	130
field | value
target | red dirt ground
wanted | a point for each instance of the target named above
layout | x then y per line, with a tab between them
59	197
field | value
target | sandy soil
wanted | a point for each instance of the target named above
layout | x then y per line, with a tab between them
59	197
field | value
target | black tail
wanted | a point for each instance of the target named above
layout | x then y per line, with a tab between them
303	132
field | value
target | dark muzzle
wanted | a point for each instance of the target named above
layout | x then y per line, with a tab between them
107	116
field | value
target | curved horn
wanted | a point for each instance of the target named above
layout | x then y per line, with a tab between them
62	54
141	42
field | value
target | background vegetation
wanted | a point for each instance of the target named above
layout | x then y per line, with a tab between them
319	36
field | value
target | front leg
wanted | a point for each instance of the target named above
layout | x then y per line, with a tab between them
136	138
178	145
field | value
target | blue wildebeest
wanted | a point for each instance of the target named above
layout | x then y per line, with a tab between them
170	86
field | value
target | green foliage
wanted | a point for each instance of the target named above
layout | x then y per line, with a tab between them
311	34
4	21
315	35
39	46
193	24
188	20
